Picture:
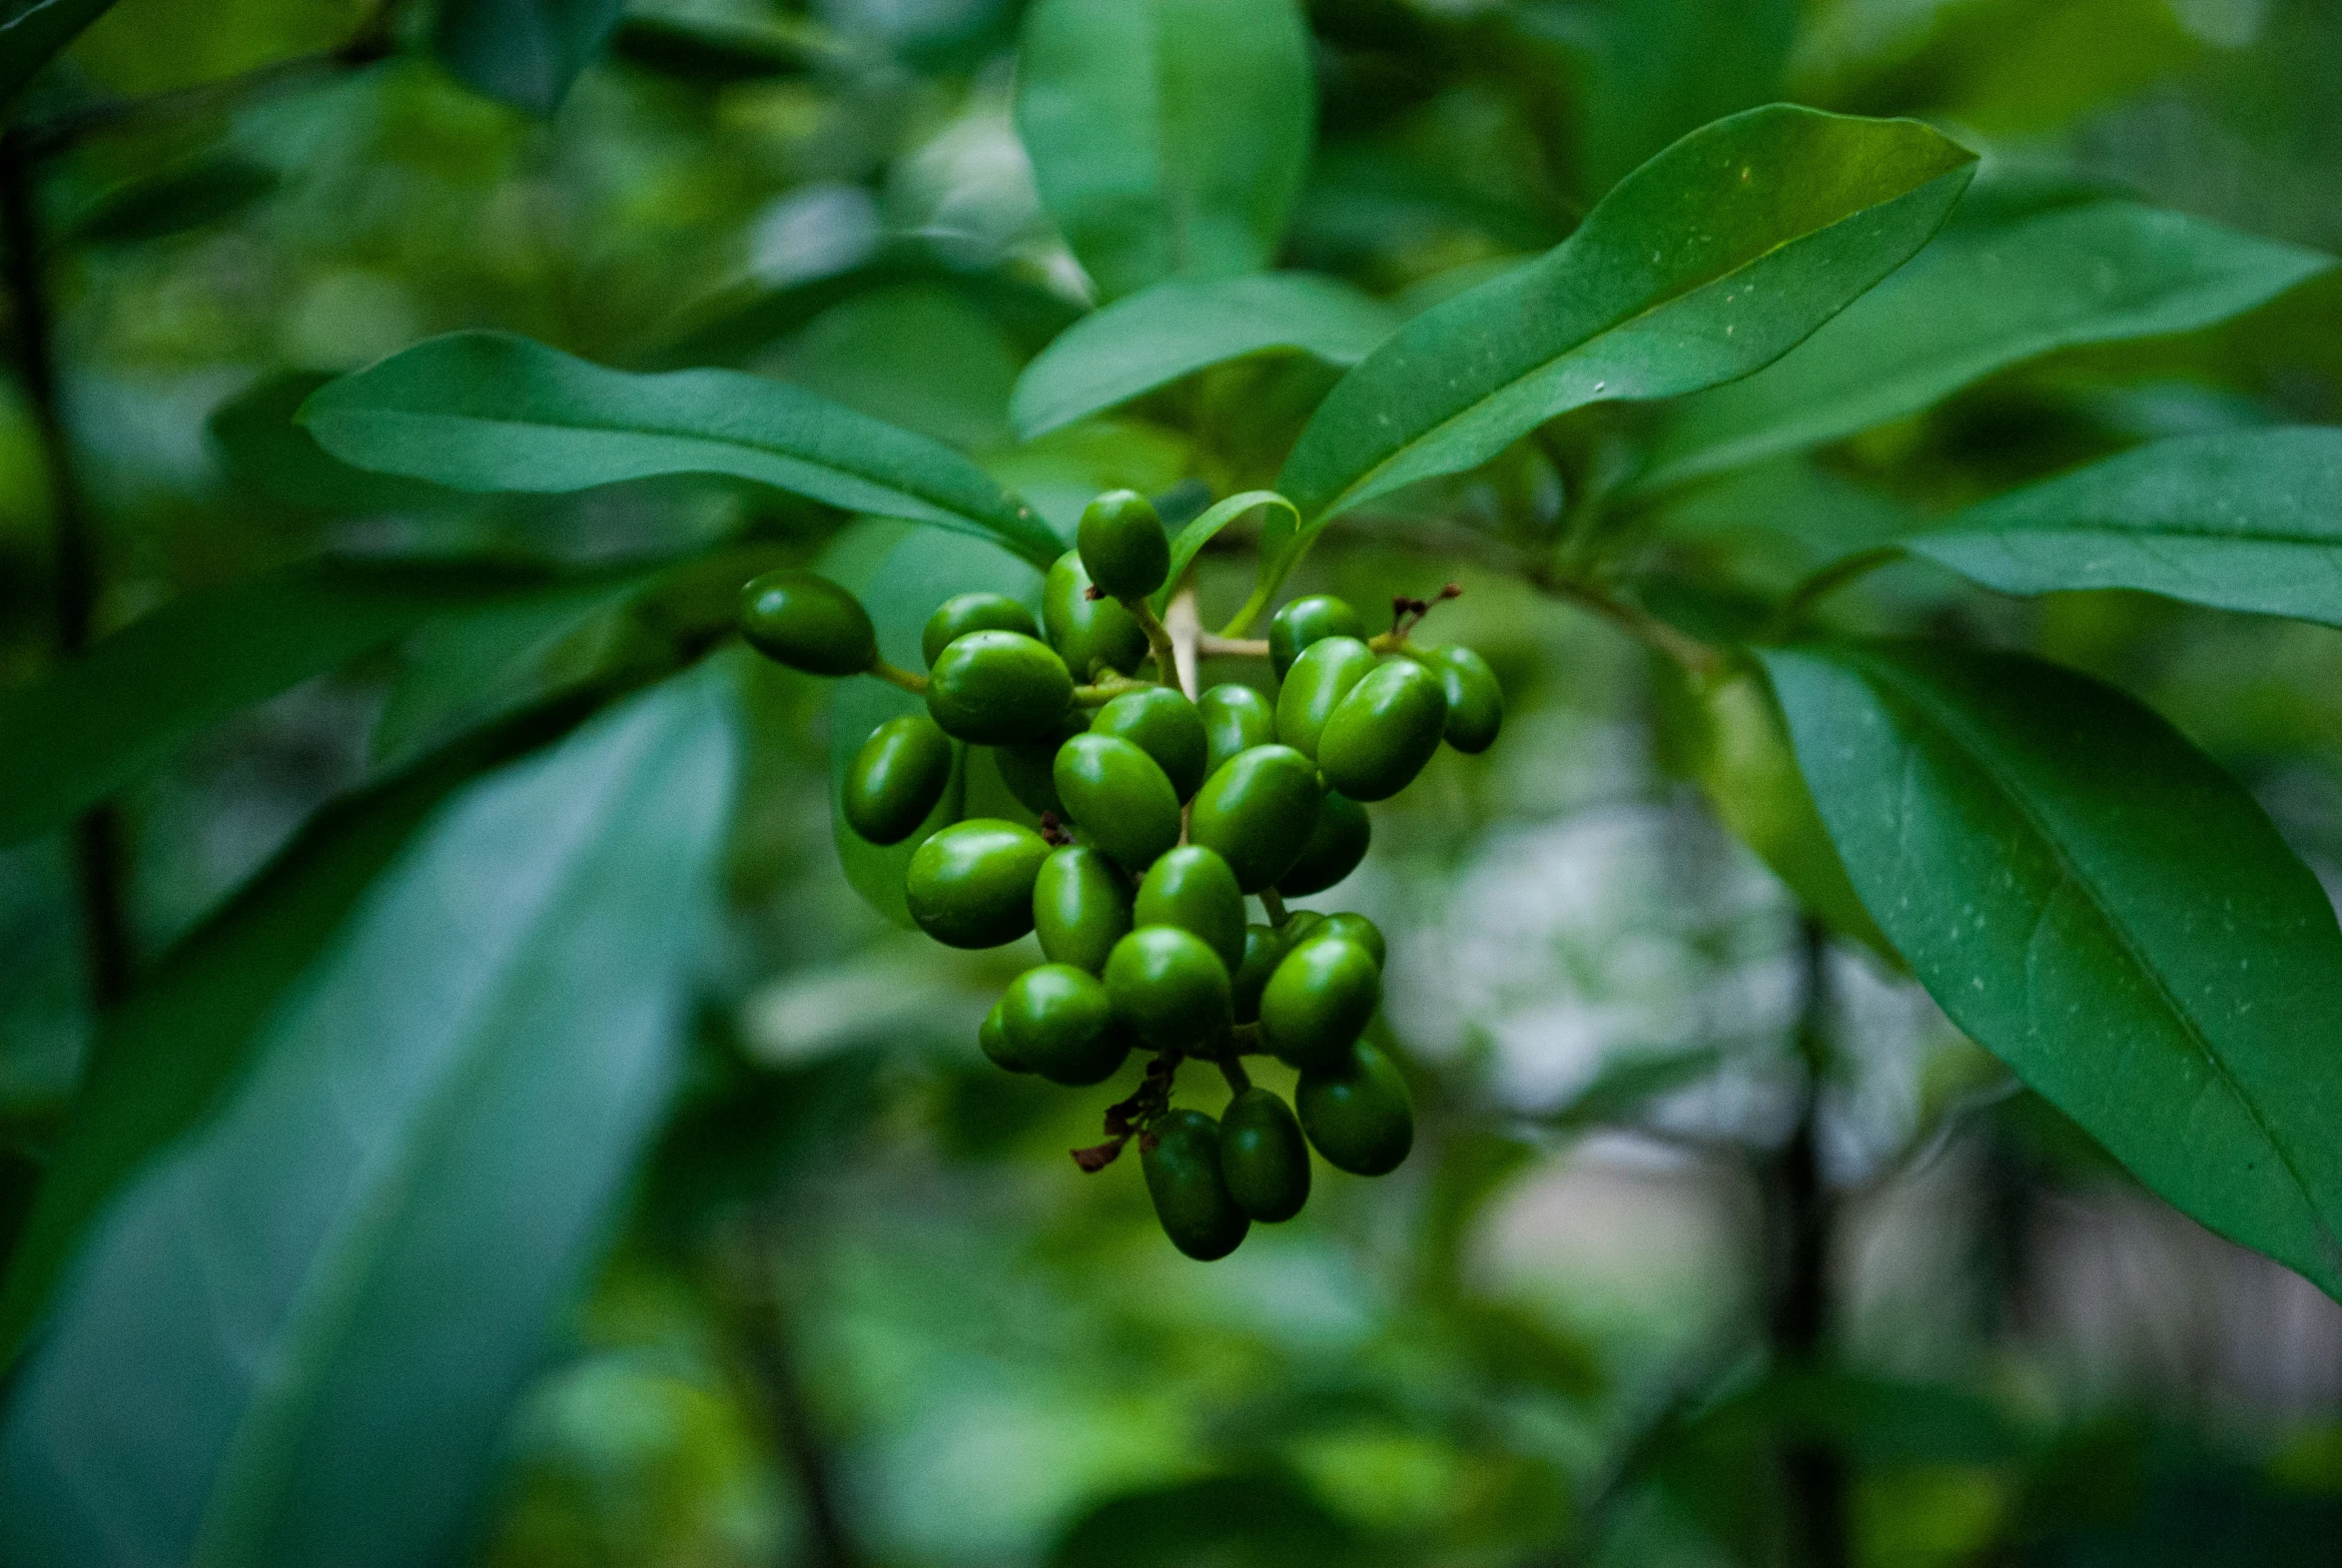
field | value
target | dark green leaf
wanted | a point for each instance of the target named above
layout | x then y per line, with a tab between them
490	411
262	445
32	31
2009	285
1168	137
2248	521
1249	1522
712	52
293	1337
523	52
174	200
2103	908
1174	329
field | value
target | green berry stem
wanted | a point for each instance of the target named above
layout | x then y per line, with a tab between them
896	675
1232	1069
1232	647
1271	902
1107	687
1167	661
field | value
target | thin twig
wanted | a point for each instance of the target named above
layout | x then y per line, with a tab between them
1793	610
1231	647
1186	629
1686	650
1166	664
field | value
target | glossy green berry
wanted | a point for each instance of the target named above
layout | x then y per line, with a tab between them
896	778
1181	1154
1300	926
996	687
1475	703
1163	723
1382	733
1080	907
966	612
1357	1113
1320	999
1261	1156
1118	798
1236	718
1317	684
1169	987
993	1038
1088	634
1060	1024
1257	809
1192	888
1360	930
1265	946
1309	620
808	623
1028	767
970	885
1122	545
1336	844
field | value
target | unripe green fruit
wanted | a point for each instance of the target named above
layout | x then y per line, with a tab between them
1121	544
1169	987
966	612
1265	947
1319	1001
1359	929
1236	718
1357	1113
1080	907
1261	1156
808	623
1060	1024
1475	702
1118	796
1027	767
1317	684
970	885
1383	732
1336	844
1088	634
1257	809
996	687
1300	926
993	1038
896	778
1163	723
1309	620
1180	1156
1192	888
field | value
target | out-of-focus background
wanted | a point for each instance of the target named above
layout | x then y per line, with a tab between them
861	1308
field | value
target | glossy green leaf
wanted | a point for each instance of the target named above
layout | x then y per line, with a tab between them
261	442
1177	328
103	720
2101	907
295	1336
1712	259
32	31
1168	137
1206	526
2009	284
492	412
523	52
2243	521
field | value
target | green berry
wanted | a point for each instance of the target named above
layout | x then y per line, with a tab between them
1475	702
1265	947
1317	684
1080	907
1169	987
1181	1154
1027	767
1236	718
1300	926
1192	888
970	885
1382	733
1088	634
1162	722
1319	1001
1309	620
1123	547
963	613
1118	797
896	778
1357	1113
808	623
1359	929
993	1038
1060	1024
1336	844
996	687
1257	809
1261	1156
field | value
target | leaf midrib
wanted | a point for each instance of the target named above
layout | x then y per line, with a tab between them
2107	530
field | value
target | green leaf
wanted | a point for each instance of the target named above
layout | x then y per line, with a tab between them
262	445
295	1336
523	52
710	52
32	32
193	195
2101	907
2250	521
1202	530
1168	137
1711	259
1177	328
103	720
2009	285
492	412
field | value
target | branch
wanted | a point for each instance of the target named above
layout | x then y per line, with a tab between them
1185	629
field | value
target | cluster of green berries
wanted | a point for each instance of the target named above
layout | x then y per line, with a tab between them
1159	816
